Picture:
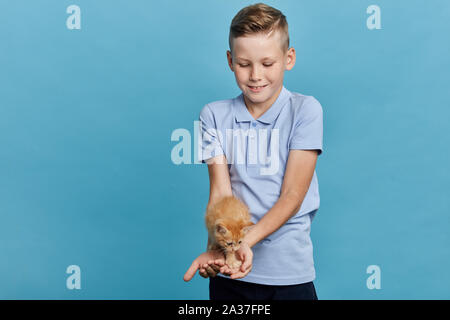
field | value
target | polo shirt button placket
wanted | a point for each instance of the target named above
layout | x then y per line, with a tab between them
252	167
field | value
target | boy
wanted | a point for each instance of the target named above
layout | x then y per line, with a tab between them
281	190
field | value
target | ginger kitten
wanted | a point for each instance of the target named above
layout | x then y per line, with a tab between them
227	222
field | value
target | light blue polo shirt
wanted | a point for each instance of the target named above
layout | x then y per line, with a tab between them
257	151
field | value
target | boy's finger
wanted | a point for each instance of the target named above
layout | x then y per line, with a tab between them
191	271
240	274
225	270
203	273
219	262
246	262
242	256
215	267
245	266
237	275
210	272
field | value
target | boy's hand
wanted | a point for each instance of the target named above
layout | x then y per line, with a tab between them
212	268
202	263
245	254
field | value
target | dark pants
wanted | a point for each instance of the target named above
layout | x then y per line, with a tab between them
227	289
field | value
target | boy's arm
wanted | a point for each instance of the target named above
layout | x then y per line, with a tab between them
219	179
297	179
219	186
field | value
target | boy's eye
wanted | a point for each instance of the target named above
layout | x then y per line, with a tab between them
243	65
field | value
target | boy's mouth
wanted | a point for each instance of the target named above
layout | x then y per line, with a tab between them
256	89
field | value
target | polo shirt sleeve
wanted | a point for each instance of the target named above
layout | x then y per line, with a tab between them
209	136
308	131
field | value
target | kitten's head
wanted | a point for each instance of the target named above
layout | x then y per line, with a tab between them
229	233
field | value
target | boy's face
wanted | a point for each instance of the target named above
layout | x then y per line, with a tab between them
258	62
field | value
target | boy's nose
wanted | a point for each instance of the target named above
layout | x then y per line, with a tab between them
255	75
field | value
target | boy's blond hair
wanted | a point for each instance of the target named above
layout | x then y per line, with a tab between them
259	18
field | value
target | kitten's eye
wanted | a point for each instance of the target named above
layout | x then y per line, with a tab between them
229	243
240	242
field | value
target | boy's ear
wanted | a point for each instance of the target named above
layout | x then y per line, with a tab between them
291	57
230	60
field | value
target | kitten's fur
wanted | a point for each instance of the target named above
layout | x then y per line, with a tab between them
227	222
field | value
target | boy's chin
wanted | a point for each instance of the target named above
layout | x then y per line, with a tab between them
256	98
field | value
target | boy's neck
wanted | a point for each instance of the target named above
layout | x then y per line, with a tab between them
258	109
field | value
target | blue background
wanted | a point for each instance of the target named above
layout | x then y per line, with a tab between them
86	118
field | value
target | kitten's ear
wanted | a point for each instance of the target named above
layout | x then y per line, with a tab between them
248	226
220	228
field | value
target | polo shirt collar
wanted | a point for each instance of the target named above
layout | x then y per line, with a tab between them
242	114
